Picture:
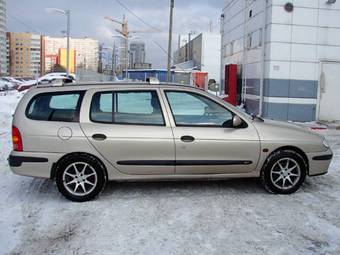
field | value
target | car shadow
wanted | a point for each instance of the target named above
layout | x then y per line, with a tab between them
183	188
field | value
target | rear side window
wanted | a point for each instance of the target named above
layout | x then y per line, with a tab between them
63	107
127	107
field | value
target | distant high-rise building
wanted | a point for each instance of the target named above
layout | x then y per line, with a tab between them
120	54
87	50
137	53
26	54
3	48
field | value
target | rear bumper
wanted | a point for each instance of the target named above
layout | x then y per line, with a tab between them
17	161
33	164
319	162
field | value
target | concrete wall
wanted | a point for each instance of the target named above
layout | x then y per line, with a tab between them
241	29
295	44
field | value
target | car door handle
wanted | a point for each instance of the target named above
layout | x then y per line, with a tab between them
187	139
99	137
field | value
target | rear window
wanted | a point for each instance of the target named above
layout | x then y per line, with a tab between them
63	107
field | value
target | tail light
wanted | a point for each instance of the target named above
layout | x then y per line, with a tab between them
16	139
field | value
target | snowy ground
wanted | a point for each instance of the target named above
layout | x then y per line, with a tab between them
225	217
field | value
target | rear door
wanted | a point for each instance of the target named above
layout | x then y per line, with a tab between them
128	127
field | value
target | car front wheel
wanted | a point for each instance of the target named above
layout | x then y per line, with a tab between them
284	172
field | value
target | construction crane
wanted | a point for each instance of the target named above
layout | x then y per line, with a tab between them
124	31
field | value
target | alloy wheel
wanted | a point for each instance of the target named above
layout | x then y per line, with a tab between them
285	173
80	179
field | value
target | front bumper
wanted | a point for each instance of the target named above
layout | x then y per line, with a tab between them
319	162
33	164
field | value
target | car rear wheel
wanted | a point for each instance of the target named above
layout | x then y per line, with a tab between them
80	178
284	172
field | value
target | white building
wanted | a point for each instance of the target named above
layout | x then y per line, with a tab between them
294	77
87	50
3	47
202	53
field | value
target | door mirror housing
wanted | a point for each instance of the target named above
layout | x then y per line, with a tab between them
237	121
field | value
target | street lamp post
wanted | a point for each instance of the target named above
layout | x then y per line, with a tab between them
67	13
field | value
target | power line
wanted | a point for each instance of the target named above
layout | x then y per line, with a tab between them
166	52
22	23
136	16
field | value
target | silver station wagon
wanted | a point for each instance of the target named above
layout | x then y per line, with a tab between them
83	135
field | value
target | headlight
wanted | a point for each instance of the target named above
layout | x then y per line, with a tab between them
325	143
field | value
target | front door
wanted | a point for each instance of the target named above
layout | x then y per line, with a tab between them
206	142
128	128
329	92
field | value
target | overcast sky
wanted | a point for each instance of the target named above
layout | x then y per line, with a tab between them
87	19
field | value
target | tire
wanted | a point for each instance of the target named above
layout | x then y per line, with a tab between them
80	178
280	177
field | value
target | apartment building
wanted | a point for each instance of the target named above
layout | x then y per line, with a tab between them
3	48
26	54
287	55
87	50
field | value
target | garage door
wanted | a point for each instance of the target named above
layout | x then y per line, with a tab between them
329	106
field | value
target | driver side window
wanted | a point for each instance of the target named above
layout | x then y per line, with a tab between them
191	109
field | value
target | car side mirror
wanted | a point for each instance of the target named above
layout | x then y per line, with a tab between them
237	121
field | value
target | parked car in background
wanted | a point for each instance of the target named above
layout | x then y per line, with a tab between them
45	81
84	135
5	85
15	83
56	75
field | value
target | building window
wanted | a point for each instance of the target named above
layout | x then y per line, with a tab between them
249	40
260	37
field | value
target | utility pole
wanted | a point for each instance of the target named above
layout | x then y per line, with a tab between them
172	5
113	58
125	30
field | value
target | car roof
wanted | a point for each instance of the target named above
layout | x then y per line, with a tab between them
108	85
